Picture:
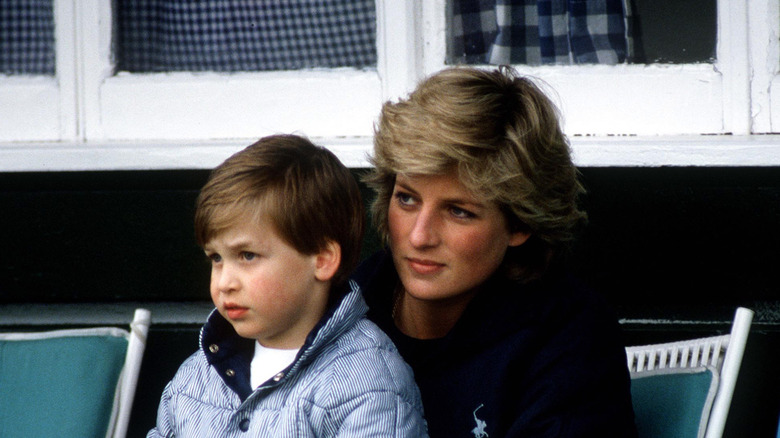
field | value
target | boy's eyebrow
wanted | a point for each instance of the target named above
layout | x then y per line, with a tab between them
238	244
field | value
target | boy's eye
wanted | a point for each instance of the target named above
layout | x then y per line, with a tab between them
215	258
248	255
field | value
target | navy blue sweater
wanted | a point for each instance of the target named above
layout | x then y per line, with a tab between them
543	359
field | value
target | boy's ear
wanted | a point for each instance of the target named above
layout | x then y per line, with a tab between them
327	261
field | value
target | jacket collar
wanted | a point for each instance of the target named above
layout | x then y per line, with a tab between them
231	355
501	306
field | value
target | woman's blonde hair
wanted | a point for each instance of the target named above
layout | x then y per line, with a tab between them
502	136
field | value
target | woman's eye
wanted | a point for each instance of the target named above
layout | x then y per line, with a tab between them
248	255
461	213
404	199
215	258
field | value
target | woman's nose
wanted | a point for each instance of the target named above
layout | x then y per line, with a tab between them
425	230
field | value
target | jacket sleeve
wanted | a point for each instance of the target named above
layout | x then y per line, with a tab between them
163	429
382	414
371	392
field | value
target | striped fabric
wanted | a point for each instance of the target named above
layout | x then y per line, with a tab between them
348	380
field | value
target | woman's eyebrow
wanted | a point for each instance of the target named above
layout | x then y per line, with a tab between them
451	201
405	186
464	202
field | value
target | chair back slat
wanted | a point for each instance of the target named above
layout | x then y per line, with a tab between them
675	357
705	357
716	358
686	357
684	354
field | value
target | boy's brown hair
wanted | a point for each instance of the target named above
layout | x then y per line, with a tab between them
309	196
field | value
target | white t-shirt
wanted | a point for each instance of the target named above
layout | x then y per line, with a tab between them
267	362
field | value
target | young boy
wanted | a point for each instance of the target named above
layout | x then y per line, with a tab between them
288	350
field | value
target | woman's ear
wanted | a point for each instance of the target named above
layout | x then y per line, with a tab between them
327	261
518	238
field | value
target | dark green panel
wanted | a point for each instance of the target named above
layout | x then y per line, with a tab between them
100	236
681	242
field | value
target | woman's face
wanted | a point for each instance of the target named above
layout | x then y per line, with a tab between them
445	241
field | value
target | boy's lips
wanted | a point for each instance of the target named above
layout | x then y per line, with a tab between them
234	311
424	266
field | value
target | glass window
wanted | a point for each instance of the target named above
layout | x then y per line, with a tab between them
244	35
674	31
27	37
561	32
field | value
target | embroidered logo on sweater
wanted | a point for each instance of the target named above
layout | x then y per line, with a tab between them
479	431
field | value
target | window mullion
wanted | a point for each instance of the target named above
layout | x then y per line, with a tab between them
65	35
399	46
734	63
764	18
93	20
434	28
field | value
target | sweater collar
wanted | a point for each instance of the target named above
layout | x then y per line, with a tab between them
500	304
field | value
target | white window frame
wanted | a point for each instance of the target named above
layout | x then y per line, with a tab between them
632	115
41	108
648	115
192	106
652	100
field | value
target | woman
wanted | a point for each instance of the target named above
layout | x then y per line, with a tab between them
477	199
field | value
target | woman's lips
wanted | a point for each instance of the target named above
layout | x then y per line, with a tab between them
424	267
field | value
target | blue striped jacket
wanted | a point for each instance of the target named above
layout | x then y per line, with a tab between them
347	381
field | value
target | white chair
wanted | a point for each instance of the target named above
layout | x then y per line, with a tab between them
718	356
76	382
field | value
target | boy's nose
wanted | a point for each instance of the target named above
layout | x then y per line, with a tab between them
225	280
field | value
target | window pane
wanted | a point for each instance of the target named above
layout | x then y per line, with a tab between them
675	31
244	35
537	32
27	37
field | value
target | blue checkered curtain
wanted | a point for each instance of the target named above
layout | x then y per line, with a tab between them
244	35
538	32
27	37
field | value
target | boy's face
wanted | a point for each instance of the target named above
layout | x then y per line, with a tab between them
263	286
